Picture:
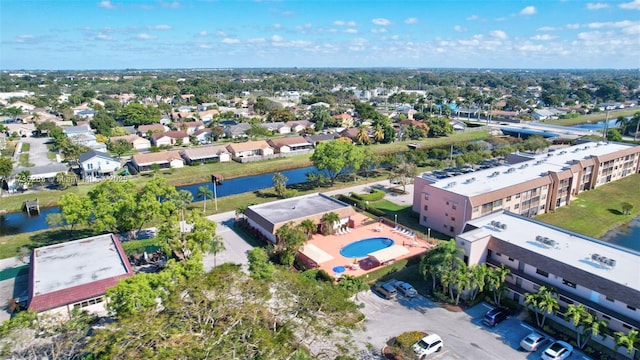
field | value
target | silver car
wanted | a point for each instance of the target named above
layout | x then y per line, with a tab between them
532	341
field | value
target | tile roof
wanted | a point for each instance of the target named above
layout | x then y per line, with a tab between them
171	134
288	141
156	157
249	145
204	152
153	127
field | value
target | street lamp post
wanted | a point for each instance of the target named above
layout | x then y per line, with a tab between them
429	234
395	219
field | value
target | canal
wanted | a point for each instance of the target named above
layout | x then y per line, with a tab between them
17	223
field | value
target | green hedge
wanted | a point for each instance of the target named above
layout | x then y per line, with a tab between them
374	195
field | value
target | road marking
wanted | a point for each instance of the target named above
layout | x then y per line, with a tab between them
527	327
487	306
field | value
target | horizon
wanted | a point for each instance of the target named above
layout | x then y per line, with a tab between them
350	34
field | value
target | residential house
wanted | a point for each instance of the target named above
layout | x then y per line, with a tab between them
165	160
203	136
299	125
250	149
276	127
207	115
350	133
97	164
345	119
547	114
25	107
144	130
86	114
170	138
137	142
206	154
290	144
458	125
83	135
23	130
315	139
76	274
236	131
189	127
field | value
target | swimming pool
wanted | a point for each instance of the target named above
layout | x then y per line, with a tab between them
364	247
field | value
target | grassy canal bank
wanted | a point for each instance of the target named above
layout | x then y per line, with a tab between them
198	174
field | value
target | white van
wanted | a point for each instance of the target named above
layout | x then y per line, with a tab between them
427	345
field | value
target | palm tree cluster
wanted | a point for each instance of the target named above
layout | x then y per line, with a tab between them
290	238
444	266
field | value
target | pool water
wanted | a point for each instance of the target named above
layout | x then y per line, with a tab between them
364	247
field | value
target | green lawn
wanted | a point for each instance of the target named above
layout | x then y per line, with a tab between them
595	212
25	147
600	116
23	160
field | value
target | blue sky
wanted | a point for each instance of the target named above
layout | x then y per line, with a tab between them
111	34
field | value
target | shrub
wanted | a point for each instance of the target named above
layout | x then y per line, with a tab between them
376	211
405	340
374	195
289	193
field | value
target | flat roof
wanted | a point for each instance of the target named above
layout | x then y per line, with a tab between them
298	207
74	263
575	250
500	177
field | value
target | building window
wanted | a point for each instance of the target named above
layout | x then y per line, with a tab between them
517	196
446	214
447	203
609	299
426	196
453	206
536	287
498	254
606	317
453	218
508	198
511	259
452	229
631	308
426	207
516	206
424	219
542	272
476	208
568	283
626	326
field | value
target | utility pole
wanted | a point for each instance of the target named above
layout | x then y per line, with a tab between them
606	125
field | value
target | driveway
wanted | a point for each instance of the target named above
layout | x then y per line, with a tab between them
463	334
236	248
38	150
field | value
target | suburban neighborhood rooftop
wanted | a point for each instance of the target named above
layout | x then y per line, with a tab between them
296	208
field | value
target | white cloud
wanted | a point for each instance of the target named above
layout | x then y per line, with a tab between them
25	38
230	41
277	26
573	26
632	30
459	28
411	20
498	34
277	38
160	27
381	22
473	17
610	24
106	4
145	36
221	33
104	37
257	41
500	19
529	10
633	5
379	30
170	5
546	28
597	6
351	31
287	13
543	37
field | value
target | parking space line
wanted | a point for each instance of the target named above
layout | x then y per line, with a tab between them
527	327
487	306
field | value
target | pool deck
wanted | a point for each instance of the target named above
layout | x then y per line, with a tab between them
332	244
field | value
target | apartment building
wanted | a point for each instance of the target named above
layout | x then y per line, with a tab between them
601	276
525	184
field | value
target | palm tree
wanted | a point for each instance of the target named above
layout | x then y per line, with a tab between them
328	221
477	279
495	282
579	317
216	246
23	179
378	133
182	200
204	192
592	329
543	303
623	123
462	281
308	227
363	135
629	340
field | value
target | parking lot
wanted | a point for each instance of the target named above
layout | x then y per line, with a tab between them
463	334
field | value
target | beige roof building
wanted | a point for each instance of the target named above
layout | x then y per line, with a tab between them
526	185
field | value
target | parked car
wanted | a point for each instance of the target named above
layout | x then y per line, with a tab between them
495	316
406	289
559	350
427	345
387	289
532	341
